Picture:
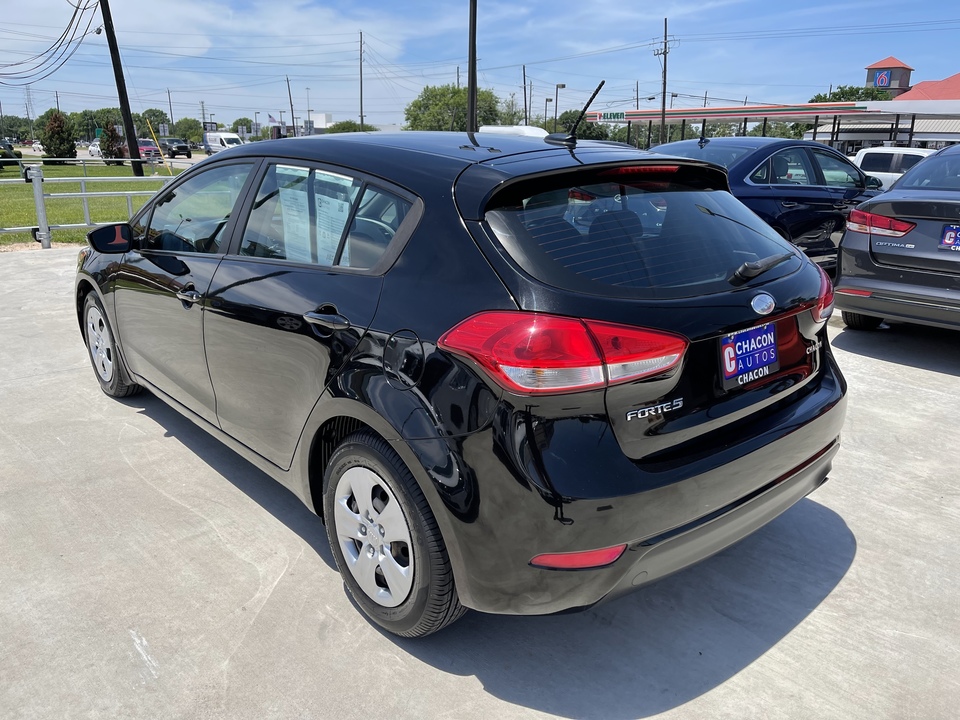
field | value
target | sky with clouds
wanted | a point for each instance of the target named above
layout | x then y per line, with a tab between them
234	56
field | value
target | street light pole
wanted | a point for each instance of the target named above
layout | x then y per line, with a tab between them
308	114
556	104
256	122
546	102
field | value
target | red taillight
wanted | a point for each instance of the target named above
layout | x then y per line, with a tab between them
867	222
824	307
577	194
539	353
579	560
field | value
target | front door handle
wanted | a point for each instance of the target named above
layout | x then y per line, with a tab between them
842	205
328	321
189	296
788	204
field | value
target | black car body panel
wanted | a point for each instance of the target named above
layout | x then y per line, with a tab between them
282	360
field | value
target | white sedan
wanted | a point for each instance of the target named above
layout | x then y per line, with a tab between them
94	149
37	147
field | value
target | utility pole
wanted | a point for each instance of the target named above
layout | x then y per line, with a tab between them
57	94
128	128
170	104
526	115
458	77
472	71
361	80
203	112
290	98
305	131
663	96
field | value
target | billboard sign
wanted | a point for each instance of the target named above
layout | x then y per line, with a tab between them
881	78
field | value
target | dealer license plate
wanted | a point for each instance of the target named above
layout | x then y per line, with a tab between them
950	239
748	355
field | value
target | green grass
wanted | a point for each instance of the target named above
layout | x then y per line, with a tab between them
17	207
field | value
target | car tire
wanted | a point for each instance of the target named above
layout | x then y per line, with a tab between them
856	321
189	155
103	352
385	540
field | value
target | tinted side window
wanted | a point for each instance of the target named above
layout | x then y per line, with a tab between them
837	172
908	160
378	217
300	214
192	216
877	162
786	167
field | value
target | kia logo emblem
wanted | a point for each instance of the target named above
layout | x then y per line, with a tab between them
763	304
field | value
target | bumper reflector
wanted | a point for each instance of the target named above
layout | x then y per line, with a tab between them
853	291
579	560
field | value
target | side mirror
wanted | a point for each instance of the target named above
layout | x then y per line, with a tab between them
874	183
111	239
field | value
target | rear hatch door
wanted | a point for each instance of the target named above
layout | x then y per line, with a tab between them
658	248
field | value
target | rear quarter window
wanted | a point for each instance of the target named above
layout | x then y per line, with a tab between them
877	162
630	233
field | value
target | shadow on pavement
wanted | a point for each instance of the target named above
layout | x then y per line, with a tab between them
635	657
662	646
256	484
918	346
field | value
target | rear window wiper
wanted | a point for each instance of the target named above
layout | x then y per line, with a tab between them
749	270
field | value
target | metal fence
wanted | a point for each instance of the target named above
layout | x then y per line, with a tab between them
41	231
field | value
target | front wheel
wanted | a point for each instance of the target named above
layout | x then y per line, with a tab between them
385	540
856	321
103	350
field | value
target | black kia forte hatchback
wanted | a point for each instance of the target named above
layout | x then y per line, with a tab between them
490	406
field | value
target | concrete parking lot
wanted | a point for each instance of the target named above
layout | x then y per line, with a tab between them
148	572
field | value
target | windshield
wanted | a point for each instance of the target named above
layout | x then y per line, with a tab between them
657	233
937	172
232	141
147	143
721	154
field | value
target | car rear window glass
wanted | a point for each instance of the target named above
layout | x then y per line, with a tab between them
876	162
937	172
632	233
724	155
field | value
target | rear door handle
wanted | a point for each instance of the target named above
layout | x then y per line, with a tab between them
328	321
788	203
841	205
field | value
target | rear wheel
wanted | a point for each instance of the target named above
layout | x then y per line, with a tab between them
385	540
856	321
103	350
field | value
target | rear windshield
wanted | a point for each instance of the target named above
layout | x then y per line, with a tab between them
630	233
717	153
937	172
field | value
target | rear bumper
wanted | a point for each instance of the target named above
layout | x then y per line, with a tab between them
667	526
897	293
